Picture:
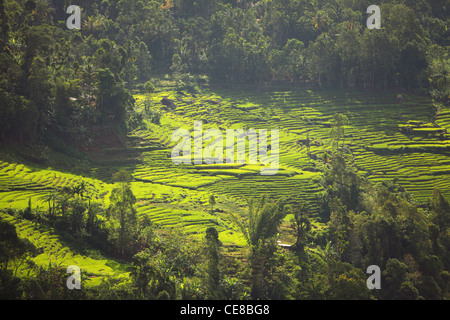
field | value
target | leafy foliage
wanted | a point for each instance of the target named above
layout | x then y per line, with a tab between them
59	88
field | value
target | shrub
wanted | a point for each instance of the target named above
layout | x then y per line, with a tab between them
149	87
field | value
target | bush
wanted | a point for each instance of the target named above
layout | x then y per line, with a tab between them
149	87
163	295
188	83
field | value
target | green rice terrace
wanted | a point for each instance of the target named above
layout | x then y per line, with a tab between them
406	142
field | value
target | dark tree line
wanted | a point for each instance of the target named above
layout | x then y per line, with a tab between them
60	81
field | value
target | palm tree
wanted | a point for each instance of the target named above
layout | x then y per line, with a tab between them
52	197
302	225
122	209
93	24
87	75
329	252
264	218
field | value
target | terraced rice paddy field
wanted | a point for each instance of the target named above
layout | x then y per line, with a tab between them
386	140
52	250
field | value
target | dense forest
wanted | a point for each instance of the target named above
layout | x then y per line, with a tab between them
60	87
60	81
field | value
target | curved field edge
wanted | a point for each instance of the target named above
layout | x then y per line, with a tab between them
178	195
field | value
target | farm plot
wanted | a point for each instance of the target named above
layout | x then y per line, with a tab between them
19	183
375	137
52	250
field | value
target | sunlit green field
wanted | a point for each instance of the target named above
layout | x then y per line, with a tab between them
177	195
